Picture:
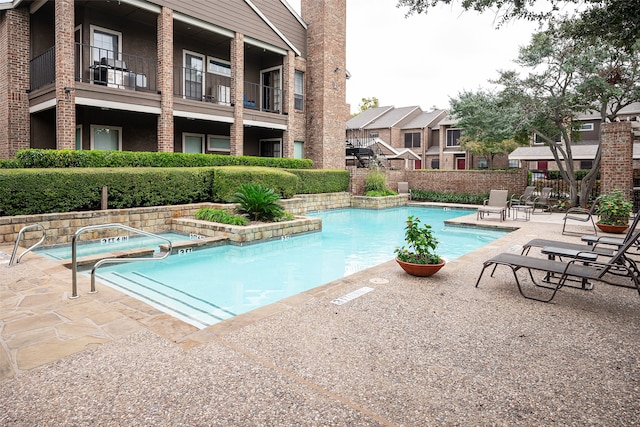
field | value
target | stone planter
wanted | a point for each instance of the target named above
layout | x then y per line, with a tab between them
421	270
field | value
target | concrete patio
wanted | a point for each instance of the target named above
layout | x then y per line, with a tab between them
413	352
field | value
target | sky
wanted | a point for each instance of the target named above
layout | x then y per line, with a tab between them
424	60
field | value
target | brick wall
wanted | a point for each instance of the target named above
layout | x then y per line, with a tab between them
469	182
14	82
616	167
326	81
165	80
237	89
65	75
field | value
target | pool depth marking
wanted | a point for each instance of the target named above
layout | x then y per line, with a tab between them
352	295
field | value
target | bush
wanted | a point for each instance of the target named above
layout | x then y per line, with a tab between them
314	181
258	202
378	193
228	180
34	191
219	215
461	198
375	181
36	158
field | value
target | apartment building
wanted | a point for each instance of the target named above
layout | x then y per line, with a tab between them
239	77
402	138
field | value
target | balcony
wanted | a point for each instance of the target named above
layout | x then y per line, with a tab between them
135	73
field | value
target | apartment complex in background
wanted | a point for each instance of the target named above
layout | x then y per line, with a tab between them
239	77
409	138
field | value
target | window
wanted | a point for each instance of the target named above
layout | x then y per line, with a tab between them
412	140
514	163
585	127
219	144
270	148
192	143
374	135
586	164
106	138
219	66
453	137
298	150
105	43
482	163
298	90
193	73
435	164
79	137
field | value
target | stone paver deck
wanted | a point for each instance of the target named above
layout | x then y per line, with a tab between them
415	351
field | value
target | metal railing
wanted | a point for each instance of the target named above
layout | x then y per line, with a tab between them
20	233
74	255
191	83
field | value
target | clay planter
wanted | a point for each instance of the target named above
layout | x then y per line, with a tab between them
421	270
616	229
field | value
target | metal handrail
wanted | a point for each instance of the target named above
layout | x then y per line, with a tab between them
74	261
15	248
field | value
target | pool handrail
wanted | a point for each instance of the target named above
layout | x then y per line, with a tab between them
15	247
74	260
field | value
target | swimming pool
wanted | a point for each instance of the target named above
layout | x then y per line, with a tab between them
206	286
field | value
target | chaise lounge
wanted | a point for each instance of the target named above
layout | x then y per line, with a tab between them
578	269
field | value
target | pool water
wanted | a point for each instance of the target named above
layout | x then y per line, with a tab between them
206	286
111	244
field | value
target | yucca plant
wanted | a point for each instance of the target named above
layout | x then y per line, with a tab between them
258	203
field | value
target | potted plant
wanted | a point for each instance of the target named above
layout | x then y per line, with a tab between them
418	256
613	211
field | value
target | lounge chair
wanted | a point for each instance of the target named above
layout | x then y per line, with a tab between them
403	188
542	201
496	203
575	269
603	245
523	198
582	215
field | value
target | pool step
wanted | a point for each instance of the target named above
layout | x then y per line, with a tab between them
169	299
125	253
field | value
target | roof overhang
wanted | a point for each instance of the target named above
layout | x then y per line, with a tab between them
579	152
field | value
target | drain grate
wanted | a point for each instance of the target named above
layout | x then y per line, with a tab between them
352	295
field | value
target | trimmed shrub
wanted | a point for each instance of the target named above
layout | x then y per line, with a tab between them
221	216
33	191
228	179
314	181
37	158
461	198
9	164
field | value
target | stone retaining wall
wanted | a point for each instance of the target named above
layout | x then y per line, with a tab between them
60	227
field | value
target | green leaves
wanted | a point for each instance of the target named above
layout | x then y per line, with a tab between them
421	243
258	203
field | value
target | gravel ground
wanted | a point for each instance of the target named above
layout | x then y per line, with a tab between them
413	352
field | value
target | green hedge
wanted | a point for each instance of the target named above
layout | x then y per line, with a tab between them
227	180
35	158
462	198
313	181
34	191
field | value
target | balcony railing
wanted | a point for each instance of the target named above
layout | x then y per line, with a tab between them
115	69
42	69
190	83
130	72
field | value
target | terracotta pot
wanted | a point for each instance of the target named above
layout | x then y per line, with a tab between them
421	270
616	229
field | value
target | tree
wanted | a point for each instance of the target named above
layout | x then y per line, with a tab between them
569	76
486	123
617	21
367	103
